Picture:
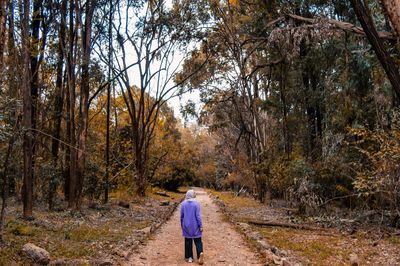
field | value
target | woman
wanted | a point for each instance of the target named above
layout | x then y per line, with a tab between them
192	227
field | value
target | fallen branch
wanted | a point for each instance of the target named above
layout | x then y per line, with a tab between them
242	189
280	224
161	193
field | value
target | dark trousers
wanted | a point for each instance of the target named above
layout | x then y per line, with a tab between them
189	247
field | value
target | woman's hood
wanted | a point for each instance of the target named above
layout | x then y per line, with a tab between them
190	194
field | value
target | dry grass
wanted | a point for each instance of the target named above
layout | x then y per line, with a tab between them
333	249
330	247
68	239
172	195
88	235
233	201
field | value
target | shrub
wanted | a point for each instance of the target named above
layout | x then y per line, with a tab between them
178	177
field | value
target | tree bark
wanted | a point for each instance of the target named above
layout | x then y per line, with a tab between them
71	175
382	54
107	151
84	100
3	39
58	101
392	8
27	188
35	65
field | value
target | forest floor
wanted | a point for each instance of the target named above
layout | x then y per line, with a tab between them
115	234
223	245
320	244
99	233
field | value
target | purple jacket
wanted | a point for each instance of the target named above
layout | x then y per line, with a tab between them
191	219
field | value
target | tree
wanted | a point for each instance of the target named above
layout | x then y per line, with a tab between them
155	42
84	101
59	97
363	14
108	117
392	10
27	111
3	40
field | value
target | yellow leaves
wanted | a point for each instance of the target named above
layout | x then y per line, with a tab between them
378	170
234	3
258	102
342	189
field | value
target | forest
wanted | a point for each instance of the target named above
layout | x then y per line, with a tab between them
285	103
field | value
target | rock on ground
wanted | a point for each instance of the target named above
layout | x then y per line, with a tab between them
37	254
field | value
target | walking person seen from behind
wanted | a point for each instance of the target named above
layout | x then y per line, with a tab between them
192	227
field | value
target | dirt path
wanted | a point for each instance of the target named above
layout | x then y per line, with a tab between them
222	244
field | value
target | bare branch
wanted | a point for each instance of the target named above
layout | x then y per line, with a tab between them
341	25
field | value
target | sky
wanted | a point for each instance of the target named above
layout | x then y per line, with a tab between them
174	62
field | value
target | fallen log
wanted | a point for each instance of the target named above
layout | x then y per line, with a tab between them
281	224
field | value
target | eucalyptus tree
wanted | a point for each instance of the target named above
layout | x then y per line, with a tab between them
285	80
3	34
152	40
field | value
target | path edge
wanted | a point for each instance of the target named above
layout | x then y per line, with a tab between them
150	231
267	252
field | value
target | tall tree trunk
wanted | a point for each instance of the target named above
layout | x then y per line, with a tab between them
382	54
107	151
313	146
3	39
35	65
27	189
67	158
34	53
58	101
84	100
71	110
392	8
285	129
